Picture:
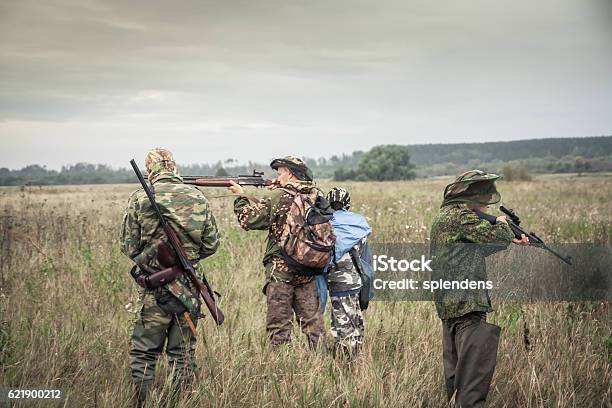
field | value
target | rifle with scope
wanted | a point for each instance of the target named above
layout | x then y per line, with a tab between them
514	222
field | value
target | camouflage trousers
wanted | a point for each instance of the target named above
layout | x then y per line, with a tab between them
347	324
153	330
469	356
284	300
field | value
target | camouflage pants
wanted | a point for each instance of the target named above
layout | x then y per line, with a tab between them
347	324
469	356
284	300
154	329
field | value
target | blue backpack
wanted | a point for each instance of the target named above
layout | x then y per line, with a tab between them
350	228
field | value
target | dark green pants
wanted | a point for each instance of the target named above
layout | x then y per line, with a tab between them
469	356
153	330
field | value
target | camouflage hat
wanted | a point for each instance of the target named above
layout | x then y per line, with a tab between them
159	160
472	187
295	165
339	195
464	180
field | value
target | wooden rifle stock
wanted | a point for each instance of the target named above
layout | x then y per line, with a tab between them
202	286
256	179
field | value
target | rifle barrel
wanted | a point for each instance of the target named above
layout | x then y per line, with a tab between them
518	231
226	181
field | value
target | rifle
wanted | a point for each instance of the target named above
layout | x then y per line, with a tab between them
202	286
514	223
364	292
256	179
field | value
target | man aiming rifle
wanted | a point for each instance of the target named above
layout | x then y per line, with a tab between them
288	291
460	241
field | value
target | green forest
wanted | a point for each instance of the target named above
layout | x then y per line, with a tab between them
386	162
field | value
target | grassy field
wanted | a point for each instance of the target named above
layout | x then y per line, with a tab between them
67	304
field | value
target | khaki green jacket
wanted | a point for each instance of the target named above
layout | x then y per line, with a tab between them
455	233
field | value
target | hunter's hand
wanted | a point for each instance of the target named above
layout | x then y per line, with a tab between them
275	184
501	218
523	241
235	188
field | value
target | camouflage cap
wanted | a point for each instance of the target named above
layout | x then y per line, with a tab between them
159	160
463	181
473	187
295	164
339	195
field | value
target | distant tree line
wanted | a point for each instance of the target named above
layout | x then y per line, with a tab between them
387	162
555	148
521	157
566	164
84	173
80	173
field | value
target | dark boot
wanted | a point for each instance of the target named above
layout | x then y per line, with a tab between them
140	394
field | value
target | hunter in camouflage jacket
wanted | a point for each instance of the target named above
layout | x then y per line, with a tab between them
288	294
188	213
454	235
269	213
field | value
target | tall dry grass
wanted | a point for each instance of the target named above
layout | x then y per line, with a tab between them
67	304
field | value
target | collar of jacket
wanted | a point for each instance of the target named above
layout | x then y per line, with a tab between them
167	177
300	185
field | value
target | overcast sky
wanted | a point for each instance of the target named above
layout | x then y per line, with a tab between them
104	81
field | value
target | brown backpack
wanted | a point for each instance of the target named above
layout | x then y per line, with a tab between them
306	239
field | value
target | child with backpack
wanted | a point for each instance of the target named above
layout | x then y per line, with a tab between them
348	276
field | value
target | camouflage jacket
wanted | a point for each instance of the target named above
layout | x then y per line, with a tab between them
454	233
342	275
269	213
188	213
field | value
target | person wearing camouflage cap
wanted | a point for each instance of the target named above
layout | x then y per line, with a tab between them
287	292
343	277
162	320
459	243
295	165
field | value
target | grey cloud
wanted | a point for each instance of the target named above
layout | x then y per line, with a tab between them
344	74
